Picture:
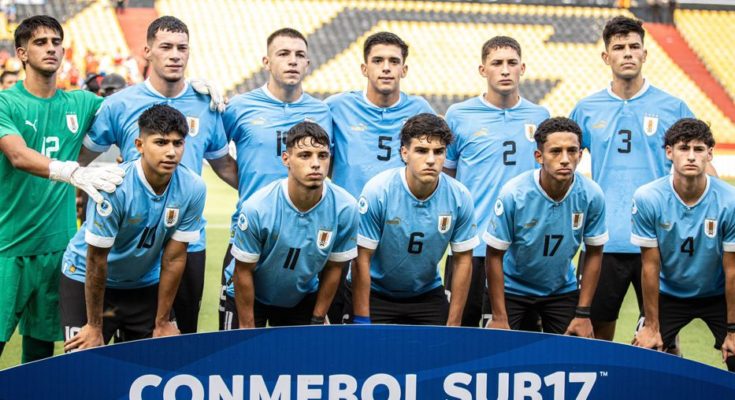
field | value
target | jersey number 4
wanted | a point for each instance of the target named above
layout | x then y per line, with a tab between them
688	246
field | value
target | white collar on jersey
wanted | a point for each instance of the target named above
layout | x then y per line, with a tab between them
491	106
141	175
537	181
269	94
410	193
157	93
699	200
640	93
364	96
284	187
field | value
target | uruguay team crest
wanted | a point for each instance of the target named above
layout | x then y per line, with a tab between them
498	208
650	124
529	130
445	222
577	220
710	227
362	205
242	222
72	123
323	239
193	126
171	217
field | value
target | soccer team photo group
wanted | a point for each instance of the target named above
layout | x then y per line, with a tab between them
365	207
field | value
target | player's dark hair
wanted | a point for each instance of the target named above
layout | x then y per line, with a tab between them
687	130
287	32
426	125
499	42
304	130
622	26
162	119
386	38
166	23
28	26
554	125
6	74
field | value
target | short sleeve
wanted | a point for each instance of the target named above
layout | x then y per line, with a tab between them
7	126
191	224
499	234
371	209
217	146
345	245
247	245
577	117
229	121
595	228
103	220
728	239
453	149
644	221
685	112
464	236
102	134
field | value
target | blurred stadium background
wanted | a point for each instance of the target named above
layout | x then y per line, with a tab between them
690	49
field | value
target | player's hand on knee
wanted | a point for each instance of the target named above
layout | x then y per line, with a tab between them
218	100
88	337
648	338
728	346
581	327
498	323
166	328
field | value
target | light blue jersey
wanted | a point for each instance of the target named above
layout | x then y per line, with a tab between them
135	224
258	122
292	247
367	138
491	146
117	123
410	236
540	236
690	239
625	139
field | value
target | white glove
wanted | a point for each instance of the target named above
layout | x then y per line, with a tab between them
203	86
88	179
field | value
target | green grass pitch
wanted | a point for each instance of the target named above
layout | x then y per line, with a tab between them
696	340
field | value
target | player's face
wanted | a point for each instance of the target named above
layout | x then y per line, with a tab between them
560	155
161	153
424	158
503	70
625	55
168	54
9	81
307	163
689	158
384	69
287	60
44	52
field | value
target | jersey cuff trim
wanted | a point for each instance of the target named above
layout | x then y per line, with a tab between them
185	237
366	242
728	247
348	255
450	164
98	241
467	245
244	256
89	144
213	155
596	240
494	242
642	241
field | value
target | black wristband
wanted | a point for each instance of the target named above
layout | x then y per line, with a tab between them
730	328
317	320
583	312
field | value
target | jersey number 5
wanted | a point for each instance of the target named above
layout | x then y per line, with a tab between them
383	146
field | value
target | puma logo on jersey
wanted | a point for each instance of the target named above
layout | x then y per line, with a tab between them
32	125
394	221
530	224
258	121
665	225
359	127
481	132
602	124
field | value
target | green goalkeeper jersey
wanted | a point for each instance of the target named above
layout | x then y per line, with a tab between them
37	215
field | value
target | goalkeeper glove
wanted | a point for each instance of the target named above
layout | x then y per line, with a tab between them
88	179
203	86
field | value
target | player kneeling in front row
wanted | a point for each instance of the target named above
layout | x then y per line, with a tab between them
292	240
685	225
123	267
540	219
409	216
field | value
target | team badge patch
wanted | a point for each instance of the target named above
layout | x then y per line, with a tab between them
530	130
72	123
635	208
323	239
242	223
104	209
710	227
577	220
171	216
650	124
362	205
193	126
445	222
498	208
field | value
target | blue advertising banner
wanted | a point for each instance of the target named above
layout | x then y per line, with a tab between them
366	362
